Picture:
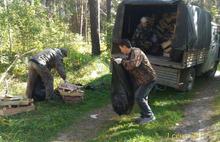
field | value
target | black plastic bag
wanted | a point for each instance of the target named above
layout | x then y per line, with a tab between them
39	93
121	90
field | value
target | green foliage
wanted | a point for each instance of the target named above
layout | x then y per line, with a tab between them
214	11
31	26
108	34
50	118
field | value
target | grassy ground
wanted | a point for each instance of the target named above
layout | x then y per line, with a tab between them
51	117
168	108
215	130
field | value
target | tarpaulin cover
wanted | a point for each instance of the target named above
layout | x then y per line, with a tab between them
193	28
121	90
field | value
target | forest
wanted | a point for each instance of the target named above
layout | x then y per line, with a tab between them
85	28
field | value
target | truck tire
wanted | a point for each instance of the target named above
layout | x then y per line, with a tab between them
188	79
211	73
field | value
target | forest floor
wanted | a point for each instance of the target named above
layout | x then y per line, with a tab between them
199	124
180	116
89	126
202	116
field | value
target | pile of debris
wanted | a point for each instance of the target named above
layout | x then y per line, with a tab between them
71	93
11	105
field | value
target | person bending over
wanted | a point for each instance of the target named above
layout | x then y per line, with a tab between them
40	65
142	73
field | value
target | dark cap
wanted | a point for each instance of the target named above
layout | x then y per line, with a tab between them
64	51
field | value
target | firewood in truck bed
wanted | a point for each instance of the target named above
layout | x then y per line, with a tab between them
166	44
168	50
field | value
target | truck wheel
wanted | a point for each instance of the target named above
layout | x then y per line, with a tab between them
211	73
188	79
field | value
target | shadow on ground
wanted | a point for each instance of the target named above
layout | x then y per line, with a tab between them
168	107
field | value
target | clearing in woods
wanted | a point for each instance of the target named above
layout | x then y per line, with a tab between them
196	126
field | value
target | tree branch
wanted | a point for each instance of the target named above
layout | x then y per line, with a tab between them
4	75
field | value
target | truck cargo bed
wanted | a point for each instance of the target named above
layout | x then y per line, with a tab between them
190	58
164	61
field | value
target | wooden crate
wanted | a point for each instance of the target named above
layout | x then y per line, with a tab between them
71	93
7	111
8	103
14	105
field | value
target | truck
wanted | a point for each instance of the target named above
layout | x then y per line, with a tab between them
195	40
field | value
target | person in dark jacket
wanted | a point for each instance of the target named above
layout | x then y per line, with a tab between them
142	73
41	64
144	36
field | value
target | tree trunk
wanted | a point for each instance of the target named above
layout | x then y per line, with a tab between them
108	6
94	6
9	26
50	5
86	21
81	18
43	2
218	4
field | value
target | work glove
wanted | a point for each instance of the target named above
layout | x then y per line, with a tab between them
118	60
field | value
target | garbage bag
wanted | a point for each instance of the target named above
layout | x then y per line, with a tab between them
122	94
39	92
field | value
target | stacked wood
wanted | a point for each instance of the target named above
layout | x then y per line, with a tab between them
167	48
11	105
166	44
167	23
71	93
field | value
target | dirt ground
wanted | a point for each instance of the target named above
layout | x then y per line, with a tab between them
89	126
199	116
196	126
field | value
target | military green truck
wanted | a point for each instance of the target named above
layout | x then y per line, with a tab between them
195	40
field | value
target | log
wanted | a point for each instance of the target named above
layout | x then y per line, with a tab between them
166	55
166	44
168	50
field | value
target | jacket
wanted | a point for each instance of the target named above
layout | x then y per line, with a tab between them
138	65
51	58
